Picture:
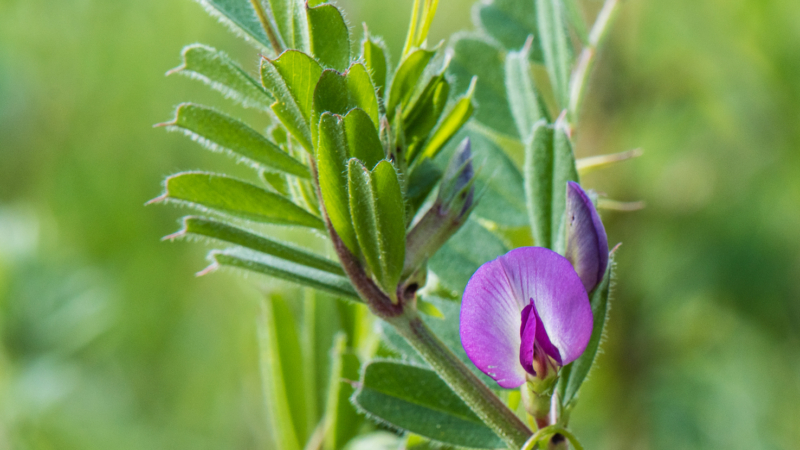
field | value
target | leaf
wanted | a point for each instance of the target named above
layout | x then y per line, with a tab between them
290	19
391	219
445	328
362	138
549	164
376	206
556	47
576	20
321	323
217	70
222	133
207	191
329	36
458	115
339	93
240	17
420	183
510	22
331	163
416	399
406	78
292	78
276	181
285	270
474	55
201	226
422	116
522	96
461	256
574	374
281	373
374	55
342	419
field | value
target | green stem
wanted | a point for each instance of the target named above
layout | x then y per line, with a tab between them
587	58
267	25
489	408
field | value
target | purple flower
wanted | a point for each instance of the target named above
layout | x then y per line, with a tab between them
522	309
527	313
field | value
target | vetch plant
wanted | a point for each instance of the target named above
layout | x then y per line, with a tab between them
407	167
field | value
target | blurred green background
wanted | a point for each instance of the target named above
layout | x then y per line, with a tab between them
109	341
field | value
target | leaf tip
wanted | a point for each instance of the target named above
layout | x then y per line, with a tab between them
159	199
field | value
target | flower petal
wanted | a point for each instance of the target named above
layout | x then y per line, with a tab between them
559	298
490	323
527	334
587	243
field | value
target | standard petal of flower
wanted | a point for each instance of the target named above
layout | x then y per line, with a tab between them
587	243
490	325
559	298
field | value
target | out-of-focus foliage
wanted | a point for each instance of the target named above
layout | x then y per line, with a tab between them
108	341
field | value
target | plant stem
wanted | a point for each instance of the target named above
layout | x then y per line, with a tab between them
277	47
489	408
586	60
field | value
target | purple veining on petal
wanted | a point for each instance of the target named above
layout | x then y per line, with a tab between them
493	305
490	321
587	243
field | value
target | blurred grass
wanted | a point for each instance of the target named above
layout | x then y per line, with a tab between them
109	341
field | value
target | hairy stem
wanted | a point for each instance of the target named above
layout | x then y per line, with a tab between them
267	25
489	408
587	57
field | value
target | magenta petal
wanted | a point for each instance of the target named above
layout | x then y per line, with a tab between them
490	325
587	244
527	334
492	306
560	300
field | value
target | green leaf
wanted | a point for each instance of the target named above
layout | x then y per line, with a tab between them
240	17
217	70
292	78
281	373
461	256
276	181
522	96
207	191
422	116
329	36
339	93
556	47
201	226
549	165
321	324
376	206
474	55
510	22
222	133
285	270
406	78
290	19
420	183
391	220
342	419
374	55
332	167
362	138
445	328
574	374
453	121
416	399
